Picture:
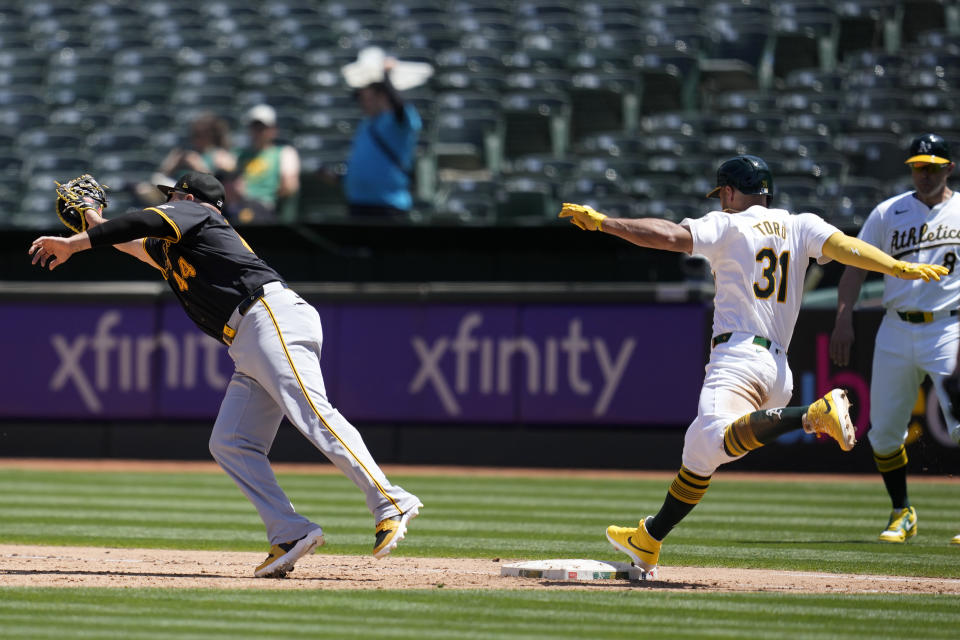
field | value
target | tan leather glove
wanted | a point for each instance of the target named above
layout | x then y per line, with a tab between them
918	270
583	216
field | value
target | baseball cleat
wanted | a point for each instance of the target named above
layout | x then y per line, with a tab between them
642	548
283	556
902	525
390	531
830	415
955	539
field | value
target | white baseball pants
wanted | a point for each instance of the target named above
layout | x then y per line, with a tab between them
904	354
277	355
742	377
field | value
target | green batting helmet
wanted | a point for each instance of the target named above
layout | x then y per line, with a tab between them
746	174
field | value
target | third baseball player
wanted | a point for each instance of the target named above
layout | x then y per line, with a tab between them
919	333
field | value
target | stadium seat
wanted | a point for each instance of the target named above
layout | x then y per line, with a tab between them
599	60
808	100
617	144
860	25
466	201
340	121
22	118
546	166
669	80
467	140
118	139
139	163
526	200
619	206
469	100
918	16
538	80
802	145
825	166
651	186
745	102
796	47
602	102
794	190
535	122
872	154
465	80
677	208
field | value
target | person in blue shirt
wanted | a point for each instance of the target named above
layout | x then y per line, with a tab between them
380	166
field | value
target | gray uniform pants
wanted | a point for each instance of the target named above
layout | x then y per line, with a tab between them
276	351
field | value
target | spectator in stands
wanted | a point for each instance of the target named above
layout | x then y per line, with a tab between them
266	182
208	151
380	167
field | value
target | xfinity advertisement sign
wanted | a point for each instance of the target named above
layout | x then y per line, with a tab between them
603	363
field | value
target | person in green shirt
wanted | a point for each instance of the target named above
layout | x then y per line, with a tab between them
267	179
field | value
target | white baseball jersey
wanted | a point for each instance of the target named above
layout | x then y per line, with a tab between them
906	352
909	230
759	259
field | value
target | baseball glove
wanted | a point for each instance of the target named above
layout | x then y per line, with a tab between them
77	196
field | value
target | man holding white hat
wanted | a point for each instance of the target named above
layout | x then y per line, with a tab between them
379	169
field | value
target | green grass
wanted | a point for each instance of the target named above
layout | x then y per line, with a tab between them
807	525
235	615
789	525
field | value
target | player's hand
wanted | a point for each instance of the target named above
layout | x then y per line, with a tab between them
919	270
51	251
841	341
583	216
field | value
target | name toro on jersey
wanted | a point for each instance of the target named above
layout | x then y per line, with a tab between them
759	258
206	283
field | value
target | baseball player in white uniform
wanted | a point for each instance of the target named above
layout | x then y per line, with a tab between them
919	334
759	256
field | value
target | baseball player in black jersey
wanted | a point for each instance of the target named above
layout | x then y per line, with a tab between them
274	339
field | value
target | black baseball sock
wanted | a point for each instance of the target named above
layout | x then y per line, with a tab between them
756	429
893	470
684	494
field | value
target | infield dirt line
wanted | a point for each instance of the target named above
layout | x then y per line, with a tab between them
323	468
70	567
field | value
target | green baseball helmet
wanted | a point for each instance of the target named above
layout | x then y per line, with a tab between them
747	174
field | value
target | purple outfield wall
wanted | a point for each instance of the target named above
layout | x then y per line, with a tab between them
510	362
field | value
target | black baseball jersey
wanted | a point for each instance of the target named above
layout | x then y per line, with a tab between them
210	268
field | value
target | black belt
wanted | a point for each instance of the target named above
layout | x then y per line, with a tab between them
229	333
920	317
244	306
725	337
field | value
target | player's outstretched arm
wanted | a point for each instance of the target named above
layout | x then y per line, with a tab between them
857	253
655	233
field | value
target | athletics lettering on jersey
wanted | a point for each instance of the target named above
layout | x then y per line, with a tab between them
917	237
771	228
908	229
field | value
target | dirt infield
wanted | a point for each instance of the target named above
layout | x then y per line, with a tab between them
38	566
46	566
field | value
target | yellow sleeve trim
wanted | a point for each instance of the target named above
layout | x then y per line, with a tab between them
176	229
143	244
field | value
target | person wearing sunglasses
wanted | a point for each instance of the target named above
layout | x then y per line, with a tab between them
919	334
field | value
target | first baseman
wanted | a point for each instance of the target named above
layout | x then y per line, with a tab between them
759	256
274	339
919	335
